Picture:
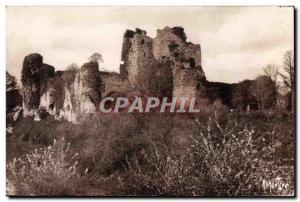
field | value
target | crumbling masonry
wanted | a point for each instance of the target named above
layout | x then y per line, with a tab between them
166	65
167	53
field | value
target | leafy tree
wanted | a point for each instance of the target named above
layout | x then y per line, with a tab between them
96	57
72	67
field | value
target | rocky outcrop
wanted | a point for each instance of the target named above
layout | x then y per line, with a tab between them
34	76
87	88
65	94
81	92
47	100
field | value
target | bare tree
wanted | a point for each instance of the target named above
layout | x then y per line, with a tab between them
96	57
288	67
288	75
264	91
272	71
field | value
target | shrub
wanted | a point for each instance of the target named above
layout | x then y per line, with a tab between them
223	159
232	153
239	162
45	172
159	175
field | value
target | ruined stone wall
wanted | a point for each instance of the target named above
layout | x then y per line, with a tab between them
235	95
170	50
88	86
144	60
65	94
165	42
167	65
113	82
170	43
47	100
137	57
34	75
186	82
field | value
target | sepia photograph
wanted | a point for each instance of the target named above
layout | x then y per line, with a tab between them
150	101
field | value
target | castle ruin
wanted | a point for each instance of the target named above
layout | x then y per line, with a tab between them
166	65
166	55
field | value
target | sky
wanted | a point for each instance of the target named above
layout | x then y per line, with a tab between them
236	42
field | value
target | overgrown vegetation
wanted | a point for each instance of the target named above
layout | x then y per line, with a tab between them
45	171
231	153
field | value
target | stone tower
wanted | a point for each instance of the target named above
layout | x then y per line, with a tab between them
137	56
171	43
167	54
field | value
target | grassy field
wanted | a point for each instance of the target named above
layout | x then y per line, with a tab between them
216	153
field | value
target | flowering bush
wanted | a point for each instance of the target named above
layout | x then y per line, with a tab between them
46	171
230	161
161	175
227	159
230	154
